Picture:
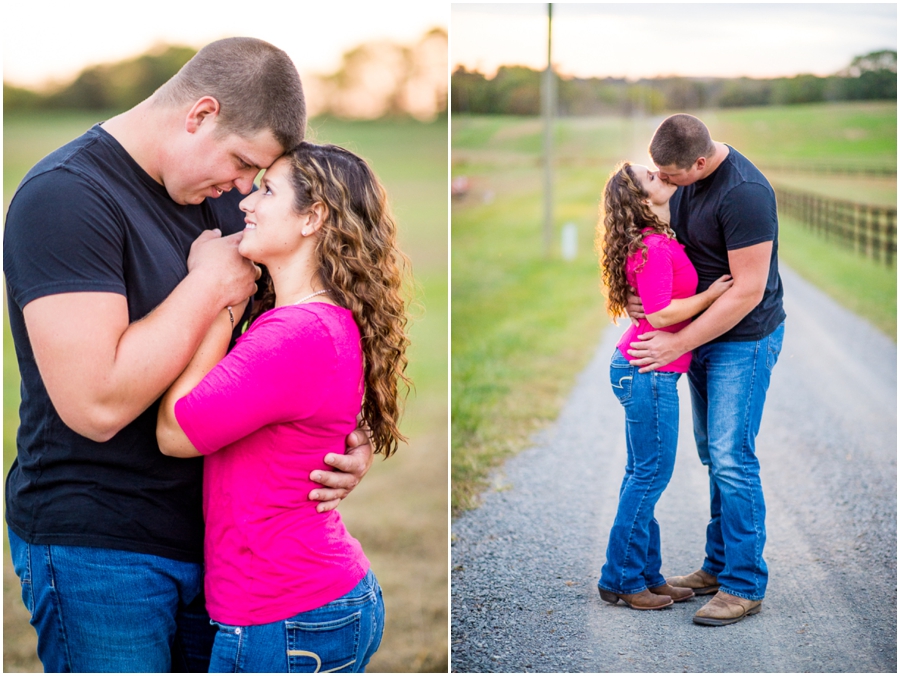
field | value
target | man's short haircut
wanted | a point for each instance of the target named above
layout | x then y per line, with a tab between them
256	84
680	140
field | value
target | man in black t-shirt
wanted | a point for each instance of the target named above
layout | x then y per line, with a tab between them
724	214
120	249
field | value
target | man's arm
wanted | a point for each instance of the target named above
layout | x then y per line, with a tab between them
350	469
750	271
101	371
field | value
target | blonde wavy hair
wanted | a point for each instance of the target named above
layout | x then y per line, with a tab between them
620	233
364	270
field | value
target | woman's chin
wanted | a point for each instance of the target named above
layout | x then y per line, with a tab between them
247	252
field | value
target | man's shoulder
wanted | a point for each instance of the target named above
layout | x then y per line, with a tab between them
75	162
742	171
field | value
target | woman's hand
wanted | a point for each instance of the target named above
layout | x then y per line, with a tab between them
720	286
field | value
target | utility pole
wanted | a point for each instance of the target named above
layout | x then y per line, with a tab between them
548	104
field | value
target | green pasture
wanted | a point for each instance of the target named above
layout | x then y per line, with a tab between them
399	512
524	323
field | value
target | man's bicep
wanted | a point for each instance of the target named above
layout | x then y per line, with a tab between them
749	267
74	337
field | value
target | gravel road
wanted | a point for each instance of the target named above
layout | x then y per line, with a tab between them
525	564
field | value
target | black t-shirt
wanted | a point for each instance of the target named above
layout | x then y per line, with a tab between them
88	218
732	208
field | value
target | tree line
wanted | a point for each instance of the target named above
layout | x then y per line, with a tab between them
516	90
374	80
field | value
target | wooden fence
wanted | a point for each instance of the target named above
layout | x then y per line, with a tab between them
866	229
830	169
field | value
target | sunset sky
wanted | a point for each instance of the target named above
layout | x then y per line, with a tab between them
636	39
50	40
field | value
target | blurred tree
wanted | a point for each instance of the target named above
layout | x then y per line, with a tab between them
16	98
108	87
870	76
885	59
798	89
518	90
377	79
121	85
470	93
374	79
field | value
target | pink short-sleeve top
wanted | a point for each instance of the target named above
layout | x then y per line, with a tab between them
288	393
664	275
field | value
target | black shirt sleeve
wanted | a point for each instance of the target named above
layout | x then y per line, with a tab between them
62	235
748	216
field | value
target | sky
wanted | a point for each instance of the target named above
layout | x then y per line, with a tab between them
635	40
50	40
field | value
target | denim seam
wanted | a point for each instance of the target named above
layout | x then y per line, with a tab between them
653	385
741	595
745	443
239	631
57	604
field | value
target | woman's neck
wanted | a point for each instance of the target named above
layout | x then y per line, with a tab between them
661	211
295	280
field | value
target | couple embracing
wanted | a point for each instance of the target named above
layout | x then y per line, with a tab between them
132	256
690	254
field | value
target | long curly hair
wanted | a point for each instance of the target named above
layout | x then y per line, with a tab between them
620	233
364	271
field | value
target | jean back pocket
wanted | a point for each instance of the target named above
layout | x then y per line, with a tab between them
323	647
621	376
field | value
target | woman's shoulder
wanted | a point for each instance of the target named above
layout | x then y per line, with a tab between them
305	323
658	240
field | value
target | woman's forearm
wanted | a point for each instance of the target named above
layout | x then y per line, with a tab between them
171	438
680	309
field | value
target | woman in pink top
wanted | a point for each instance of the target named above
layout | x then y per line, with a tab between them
640	253
287	586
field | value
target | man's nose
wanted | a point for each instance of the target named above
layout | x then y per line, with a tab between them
243	184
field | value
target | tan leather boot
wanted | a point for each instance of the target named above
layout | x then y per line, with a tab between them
678	594
700	581
726	608
644	600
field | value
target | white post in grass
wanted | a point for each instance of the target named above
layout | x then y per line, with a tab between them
569	241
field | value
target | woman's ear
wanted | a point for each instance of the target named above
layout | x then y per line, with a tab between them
317	214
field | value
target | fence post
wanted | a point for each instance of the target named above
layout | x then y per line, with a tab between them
890	237
868	230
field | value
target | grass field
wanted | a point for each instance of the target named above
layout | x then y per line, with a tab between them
399	512
524	324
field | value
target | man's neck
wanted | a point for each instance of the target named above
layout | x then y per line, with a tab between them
138	131
716	159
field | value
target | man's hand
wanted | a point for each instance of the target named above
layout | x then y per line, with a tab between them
351	468
634	307
218	256
654	349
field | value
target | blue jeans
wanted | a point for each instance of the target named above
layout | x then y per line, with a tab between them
105	610
633	557
728	384
340	636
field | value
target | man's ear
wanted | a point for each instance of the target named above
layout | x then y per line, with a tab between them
701	163
205	109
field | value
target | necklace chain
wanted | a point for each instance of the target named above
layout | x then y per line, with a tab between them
317	293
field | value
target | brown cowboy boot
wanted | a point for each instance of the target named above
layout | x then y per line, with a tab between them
726	608
678	594
644	600
700	581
